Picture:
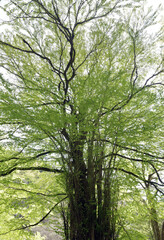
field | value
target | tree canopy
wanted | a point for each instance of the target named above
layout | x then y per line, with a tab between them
81	119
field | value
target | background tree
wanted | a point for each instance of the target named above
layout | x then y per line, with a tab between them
83	102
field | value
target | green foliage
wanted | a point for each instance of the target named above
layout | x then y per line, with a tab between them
81	119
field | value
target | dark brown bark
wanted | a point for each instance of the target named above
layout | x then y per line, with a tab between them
153	213
64	215
90	219
155	224
162	232
79	201
91	183
106	209
99	230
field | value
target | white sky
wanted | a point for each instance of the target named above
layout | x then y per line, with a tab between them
156	2
153	3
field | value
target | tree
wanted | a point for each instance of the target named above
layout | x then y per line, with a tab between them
81	103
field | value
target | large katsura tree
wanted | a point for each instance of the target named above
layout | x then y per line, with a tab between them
81	114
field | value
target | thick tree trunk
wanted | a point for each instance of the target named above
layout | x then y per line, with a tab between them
91	186
107	210
99	229
79	214
89	219
162	232
155	226
153	212
79	200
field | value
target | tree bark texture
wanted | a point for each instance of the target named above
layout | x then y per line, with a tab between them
89	219
162	232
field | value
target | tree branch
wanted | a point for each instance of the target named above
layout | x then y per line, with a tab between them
155	184
38	222
31	51
133	149
45	169
35	193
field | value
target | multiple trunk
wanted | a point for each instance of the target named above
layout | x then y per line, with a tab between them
90	208
91	203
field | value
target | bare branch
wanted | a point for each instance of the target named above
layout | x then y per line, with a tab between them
155	184
45	169
135	70
36	193
140	160
133	149
31	51
38	222
15	156
98	16
154	75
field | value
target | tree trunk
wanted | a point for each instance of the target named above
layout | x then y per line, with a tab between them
79	217
91	185
155	226
162	232
85	222
153	212
99	230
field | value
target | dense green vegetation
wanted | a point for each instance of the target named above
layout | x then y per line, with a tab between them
81	120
